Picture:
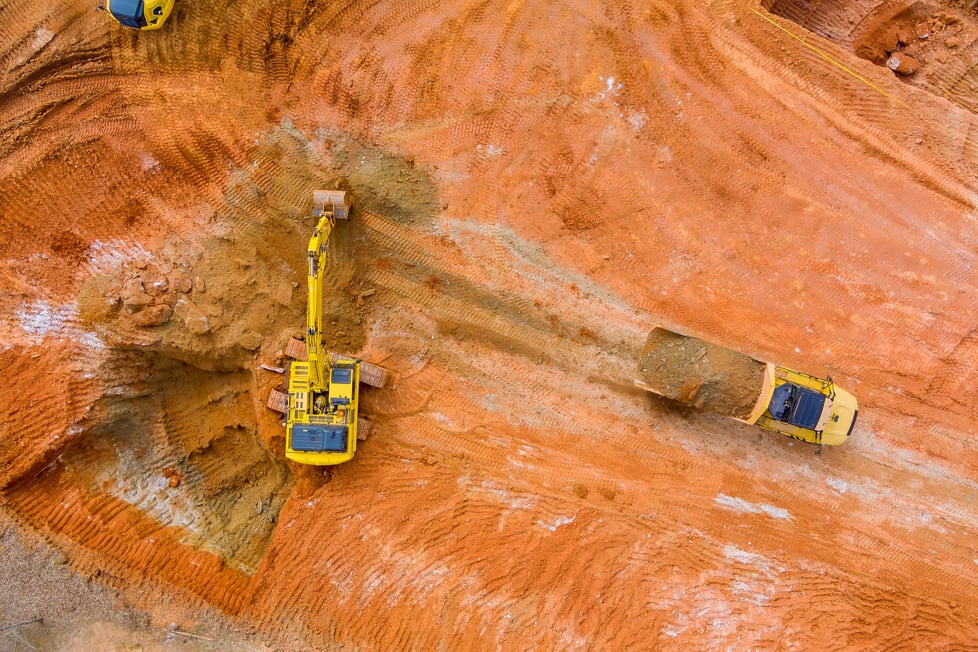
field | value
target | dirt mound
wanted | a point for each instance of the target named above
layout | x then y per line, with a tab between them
930	44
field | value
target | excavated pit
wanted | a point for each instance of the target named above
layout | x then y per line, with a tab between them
179	444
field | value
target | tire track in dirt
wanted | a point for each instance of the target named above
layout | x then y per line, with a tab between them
522	578
611	531
876	116
121	540
40	410
865	116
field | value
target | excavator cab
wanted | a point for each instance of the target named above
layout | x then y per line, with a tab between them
139	14
341	386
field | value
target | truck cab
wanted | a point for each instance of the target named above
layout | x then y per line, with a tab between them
806	407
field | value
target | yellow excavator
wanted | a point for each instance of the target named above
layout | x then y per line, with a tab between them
321	406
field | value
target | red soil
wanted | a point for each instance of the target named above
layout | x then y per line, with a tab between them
536	185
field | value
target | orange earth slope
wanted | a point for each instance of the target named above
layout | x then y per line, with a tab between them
536	184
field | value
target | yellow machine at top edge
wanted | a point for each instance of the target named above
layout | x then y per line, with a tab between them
139	14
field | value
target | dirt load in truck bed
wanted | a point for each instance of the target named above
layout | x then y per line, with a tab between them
699	373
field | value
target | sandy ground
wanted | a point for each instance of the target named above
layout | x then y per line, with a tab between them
48	606
536	185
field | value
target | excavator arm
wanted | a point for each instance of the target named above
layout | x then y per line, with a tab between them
318	362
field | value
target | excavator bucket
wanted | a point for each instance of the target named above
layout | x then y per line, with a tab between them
331	200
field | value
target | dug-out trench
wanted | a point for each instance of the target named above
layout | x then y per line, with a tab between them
178	444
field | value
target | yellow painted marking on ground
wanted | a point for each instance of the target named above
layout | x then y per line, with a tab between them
826	56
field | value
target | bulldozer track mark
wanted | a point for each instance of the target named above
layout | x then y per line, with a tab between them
532	279
127	540
514	480
550	399
868	120
526	339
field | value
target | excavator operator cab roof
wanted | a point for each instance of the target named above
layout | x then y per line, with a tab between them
319	438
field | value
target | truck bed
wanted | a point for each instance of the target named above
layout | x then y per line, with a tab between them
701	374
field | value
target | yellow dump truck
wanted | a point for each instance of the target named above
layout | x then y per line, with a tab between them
711	377
138	14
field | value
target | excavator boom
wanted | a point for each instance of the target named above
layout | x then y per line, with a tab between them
316	254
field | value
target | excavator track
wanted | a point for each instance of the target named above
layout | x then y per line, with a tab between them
370	374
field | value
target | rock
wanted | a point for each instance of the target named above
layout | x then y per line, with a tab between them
250	340
172	476
902	64
193	317
889	41
212	309
941	57
906	36
180	282
133	286
952	42
948	18
200	285
923	30
156	285
153	316
133	297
